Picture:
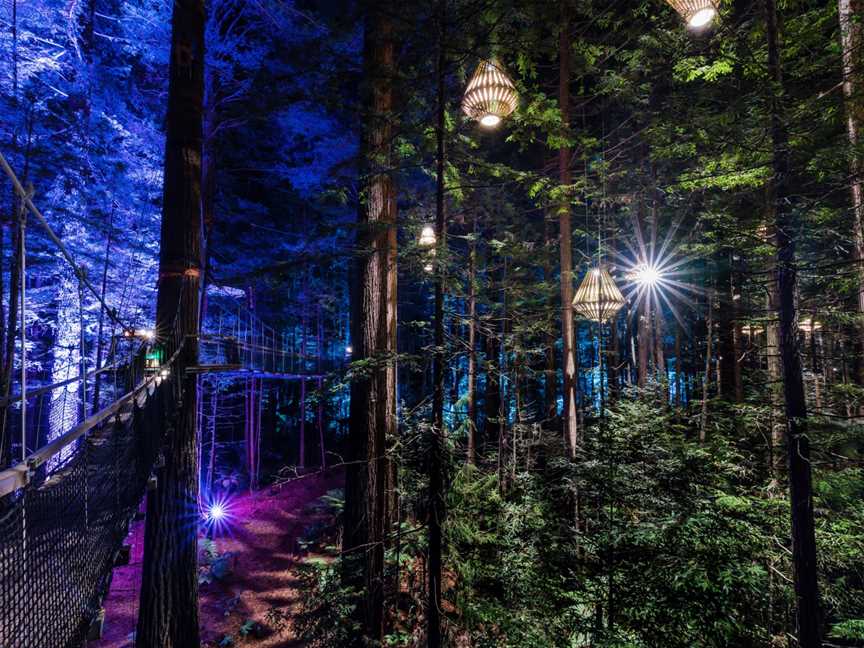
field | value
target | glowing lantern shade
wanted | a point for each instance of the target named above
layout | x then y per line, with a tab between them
751	329
490	95
598	298
808	325
427	237
697	13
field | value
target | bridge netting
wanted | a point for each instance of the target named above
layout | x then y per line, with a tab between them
77	453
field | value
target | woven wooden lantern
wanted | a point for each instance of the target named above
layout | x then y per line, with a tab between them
696	13
598	298
490	95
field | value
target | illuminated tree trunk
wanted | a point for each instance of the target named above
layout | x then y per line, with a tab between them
492	393
611	350
678	366
373	327
14	293
643	340
472	349
656	308
565	177
550	385
852	42
706	377
736	352
169	587
808	618
320	369
301	450
725	327
436	477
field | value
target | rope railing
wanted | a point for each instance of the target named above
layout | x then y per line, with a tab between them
87	444
61	533
28	420
66	509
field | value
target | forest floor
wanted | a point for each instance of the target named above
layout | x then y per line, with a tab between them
260	545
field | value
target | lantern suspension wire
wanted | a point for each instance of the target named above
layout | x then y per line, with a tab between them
598	298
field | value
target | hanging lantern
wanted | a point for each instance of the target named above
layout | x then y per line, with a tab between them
427	237
751	329
808	325
490	95
696	13
598	298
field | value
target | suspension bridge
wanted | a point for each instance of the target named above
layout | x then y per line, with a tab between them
84	448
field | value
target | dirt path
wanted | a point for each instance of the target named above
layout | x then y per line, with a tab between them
262	533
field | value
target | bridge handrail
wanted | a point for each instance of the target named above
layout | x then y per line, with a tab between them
33	393
18	476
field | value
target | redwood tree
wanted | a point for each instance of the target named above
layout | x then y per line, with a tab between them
373	327
808	620
169	587
571	431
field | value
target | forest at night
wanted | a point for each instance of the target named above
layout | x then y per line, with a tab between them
433	323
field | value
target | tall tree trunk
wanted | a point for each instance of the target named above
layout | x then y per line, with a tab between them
169	587
320	368
472	349
852	43
678	365
808	618
772	358
550	384
565	177
706	377
725	325
436	482
301	451
372	328
643	340
492	393
504	401
737	352
659	355
14	293
656	306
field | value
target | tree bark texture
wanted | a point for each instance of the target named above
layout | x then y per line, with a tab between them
852	42
472	350
565	178
436	478
808	617
169	589
373	319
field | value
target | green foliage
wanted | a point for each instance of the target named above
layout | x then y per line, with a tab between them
213	565
852	629
327	616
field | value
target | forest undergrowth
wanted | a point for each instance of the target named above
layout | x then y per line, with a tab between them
679	543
